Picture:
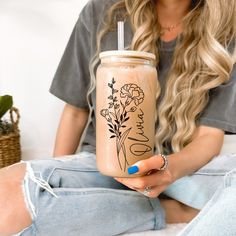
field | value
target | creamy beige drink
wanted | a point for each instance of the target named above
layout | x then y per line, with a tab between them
126	85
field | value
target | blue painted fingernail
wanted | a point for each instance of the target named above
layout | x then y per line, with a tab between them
133	170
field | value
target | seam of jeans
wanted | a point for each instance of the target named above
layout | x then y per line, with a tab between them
209	173
159	214
68	169
229	177
88	191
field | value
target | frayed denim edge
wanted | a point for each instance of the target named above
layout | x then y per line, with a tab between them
29	205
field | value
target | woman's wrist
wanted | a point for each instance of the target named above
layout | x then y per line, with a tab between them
173	167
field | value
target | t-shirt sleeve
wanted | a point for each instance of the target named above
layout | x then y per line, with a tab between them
221	109
72	78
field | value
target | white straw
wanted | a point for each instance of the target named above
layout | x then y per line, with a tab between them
121	43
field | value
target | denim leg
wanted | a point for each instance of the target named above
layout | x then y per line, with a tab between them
218	217
70	197
197	189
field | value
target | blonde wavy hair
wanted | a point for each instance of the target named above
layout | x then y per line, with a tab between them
201	61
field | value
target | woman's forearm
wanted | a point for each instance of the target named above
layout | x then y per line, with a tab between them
70	130
206	144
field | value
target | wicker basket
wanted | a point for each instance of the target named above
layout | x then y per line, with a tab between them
10	151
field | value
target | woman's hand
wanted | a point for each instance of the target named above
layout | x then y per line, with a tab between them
206	144
154	181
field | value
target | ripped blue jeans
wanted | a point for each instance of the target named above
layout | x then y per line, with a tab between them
70	197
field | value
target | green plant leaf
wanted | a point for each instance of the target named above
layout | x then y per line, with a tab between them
6	103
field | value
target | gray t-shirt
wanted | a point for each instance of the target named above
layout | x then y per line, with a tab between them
72	78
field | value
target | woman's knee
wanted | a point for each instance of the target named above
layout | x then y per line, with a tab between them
14	215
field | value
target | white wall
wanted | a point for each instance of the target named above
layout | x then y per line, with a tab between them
33	35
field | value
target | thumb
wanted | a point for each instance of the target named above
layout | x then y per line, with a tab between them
144	166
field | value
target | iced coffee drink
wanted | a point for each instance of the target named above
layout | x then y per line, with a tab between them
126	86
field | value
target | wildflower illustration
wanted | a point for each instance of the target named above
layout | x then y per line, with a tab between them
117	115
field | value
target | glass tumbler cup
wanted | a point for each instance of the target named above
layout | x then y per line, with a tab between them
126	86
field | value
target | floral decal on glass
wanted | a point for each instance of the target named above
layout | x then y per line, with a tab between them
117	115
